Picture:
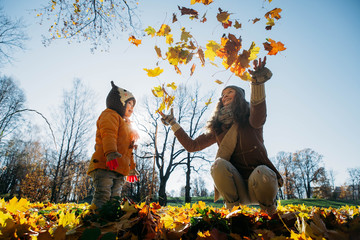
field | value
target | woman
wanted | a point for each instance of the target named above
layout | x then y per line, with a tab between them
242	171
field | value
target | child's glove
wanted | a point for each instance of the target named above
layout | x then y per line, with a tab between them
111	161
132	177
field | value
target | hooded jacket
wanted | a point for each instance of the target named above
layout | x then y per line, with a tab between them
113	134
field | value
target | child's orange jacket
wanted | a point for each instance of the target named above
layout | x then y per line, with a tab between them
113	134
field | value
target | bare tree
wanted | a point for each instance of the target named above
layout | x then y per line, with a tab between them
195	110
199	188
12	100
354	177
286	167
74	122
94	21
309	164
12	37
162	143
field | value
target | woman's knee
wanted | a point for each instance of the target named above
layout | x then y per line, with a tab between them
219	166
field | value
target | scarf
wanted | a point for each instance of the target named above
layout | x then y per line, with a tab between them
225	115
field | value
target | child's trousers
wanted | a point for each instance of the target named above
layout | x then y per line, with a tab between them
261	188
107	184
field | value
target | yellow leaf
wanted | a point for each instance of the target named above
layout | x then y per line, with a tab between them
172	85
68	219
204	234
208	102
14	205
158	91
253	51
168	221
4	217
211	49
169	39
218	81
150	31
246	76
154	72
164	30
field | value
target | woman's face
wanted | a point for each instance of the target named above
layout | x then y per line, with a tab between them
129	108
228	96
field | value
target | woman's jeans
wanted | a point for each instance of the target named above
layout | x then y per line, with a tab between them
107	184
261	188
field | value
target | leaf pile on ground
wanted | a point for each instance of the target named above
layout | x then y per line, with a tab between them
123	219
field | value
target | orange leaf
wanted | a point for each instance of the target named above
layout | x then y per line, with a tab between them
177	69
275	13
192	69
205	2
134	41
273	47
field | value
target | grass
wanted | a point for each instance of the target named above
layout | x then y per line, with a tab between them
323	203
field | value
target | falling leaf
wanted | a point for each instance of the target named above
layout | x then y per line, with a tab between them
227	24
192	69
201	56
211	49
172	85
256	20
177	69
185	35
158	91
188	11
134	41
269	24
150	31
205	2
237	25
154	72
246	76
275	13
158	51
164	30
174	19
203	19
223	16
273	47
169	39
218	81
253	51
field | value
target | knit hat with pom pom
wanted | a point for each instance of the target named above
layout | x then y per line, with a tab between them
117	98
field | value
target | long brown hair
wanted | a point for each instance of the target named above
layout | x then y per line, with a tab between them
239	107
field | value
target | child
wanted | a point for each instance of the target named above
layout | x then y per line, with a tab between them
113	156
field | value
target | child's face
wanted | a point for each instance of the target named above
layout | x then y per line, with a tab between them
129	108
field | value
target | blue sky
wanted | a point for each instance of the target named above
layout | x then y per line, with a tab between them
313	97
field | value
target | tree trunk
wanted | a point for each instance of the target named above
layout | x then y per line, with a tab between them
187	186
162	193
